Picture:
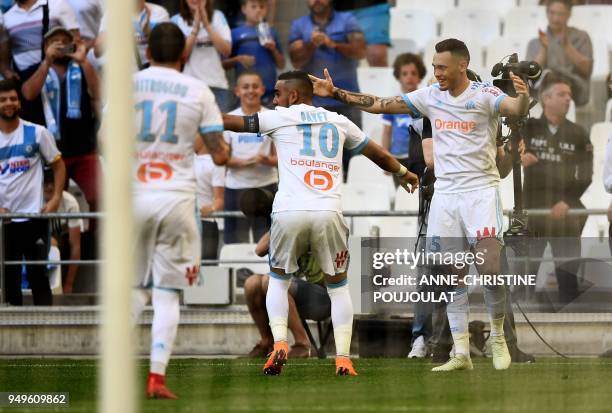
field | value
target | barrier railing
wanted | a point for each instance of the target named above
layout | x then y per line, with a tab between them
222	214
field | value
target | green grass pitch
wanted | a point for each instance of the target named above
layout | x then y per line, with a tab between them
383	385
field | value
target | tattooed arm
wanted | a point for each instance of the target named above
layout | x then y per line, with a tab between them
369	103
217	147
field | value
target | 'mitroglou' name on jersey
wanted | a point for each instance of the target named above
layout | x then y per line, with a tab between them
464	129
171	108
309	143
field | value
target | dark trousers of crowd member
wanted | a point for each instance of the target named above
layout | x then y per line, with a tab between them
237	230
564	239
354	115
27	240
210	240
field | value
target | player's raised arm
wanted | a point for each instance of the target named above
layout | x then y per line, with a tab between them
518	106
386	161
369	103
241	123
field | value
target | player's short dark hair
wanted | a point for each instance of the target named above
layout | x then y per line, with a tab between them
300	80
6	85
166	43
551	79
566	3
455	47
249	72
407	59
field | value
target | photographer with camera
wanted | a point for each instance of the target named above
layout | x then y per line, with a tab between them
558	164
70	90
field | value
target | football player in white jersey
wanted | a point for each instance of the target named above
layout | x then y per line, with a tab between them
307	208
466	204
173	111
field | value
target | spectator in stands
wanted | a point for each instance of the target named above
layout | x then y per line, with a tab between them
563	49
558	162
307	298
373	17
608	182
171	6
252	163
409	71
27	22
146	17
65	233
334	40
232	11
210	181
23	149
209	38
256	46
70	91
5	51
89	15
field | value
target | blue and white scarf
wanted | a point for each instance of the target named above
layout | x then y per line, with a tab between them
52	98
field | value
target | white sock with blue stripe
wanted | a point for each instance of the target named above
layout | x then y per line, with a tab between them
166	314
458	319
342	316
277	303
495	299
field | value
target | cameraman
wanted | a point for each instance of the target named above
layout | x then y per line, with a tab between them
558	162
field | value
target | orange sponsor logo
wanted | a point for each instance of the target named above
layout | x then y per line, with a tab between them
317	179
459	125
154	171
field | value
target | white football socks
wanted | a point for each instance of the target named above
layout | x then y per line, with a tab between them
277	303
166	313
458	318
342	317
495	299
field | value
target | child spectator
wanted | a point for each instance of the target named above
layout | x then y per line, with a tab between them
255	45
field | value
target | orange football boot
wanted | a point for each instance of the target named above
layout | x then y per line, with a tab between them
344	366
276	359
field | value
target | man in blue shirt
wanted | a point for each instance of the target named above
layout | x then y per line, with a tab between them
252	49
329	39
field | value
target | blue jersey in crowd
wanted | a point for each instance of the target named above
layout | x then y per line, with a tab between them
246	42
400	133
342	69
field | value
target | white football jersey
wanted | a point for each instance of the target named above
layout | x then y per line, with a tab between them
464	129
309	143
171	108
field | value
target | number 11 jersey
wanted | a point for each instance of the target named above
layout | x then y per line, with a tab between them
170	110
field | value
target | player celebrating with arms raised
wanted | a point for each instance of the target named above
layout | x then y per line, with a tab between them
172	109
466	203
306	213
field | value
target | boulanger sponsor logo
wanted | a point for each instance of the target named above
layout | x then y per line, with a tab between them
153	172
459	125
313	163
318	179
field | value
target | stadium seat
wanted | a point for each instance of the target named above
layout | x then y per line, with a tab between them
402	226
378	81
608	117
363	171
595	195
528	3
601	58
499	48
471	24
419	26
243	252
438	7
524	22
364	197
499	7
595	20
399	46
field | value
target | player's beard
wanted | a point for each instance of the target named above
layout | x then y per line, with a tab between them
11	115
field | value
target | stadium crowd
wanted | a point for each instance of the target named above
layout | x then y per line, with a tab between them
54	50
